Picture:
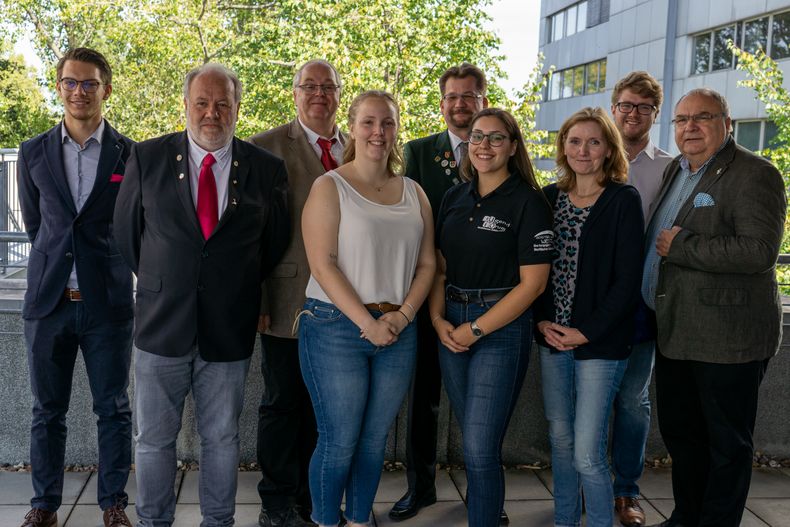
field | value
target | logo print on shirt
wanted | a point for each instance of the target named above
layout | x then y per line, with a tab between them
491	223
544	241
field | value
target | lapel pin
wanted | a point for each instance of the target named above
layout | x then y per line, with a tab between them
181	175
444	163
447	155
718	172
179	157
437	159
235	163
452	164
448	171
235	181
234	202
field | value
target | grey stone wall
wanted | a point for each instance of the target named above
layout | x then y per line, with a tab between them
526	441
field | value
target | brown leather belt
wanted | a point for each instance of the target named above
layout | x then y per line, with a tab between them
72	295
384	307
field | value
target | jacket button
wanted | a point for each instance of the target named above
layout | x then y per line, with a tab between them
69	255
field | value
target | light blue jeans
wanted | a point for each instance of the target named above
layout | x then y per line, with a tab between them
161	386
632	420
483	385
356	389
577	397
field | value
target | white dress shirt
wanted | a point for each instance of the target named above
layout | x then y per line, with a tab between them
220	168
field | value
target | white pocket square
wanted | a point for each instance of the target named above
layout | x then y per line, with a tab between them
703	199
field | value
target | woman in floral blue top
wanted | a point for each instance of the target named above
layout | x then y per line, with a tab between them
585	316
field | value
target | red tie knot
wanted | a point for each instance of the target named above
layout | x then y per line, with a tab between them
208	160
326	144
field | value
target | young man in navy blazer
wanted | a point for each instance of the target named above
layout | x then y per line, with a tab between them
79	290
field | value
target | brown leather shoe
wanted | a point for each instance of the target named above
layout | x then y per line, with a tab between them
115	517
40	518
629	512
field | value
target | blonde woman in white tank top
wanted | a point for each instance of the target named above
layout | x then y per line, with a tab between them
368	235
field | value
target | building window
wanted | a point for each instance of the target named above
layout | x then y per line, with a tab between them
771	33
567	22
579	80
756	134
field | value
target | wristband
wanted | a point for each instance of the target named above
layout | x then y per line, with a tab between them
404	316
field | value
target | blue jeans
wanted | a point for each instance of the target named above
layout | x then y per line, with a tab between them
52	345
632	420
483	385
577	397
161	386
357	389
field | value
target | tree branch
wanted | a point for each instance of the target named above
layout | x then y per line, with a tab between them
43	33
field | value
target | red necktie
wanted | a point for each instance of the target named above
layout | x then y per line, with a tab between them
207	197
326	153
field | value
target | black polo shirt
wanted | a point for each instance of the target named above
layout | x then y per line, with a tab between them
485	240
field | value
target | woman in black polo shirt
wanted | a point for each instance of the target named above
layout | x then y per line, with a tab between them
494	242
585	317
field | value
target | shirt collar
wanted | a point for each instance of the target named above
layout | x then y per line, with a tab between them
507	186
313	137
221	155
97	134
649	150
684	163
454	140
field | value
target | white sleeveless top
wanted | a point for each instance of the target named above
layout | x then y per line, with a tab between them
377	245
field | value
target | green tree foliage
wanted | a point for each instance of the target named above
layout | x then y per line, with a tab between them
766	79
23	110
401	46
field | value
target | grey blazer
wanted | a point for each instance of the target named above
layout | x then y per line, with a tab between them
283	291
717	299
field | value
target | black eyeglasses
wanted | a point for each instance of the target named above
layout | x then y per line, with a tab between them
680	121
494	138
88	86
468	97
628	107
312	89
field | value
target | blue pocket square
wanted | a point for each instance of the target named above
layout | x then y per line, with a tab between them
703	200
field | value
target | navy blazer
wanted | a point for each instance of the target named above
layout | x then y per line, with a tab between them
609	275
61	236
192	291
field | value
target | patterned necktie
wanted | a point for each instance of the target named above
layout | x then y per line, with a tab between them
463	149
326	153
207	208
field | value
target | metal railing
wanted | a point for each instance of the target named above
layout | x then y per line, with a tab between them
14	246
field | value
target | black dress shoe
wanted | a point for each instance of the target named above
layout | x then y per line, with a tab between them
410	504
503	518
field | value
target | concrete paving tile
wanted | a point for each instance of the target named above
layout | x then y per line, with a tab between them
16	487
769	483
91	516
188	515
393	486
656	483
665	507
774	512
247	489
89	496
545	477
535	513
519	485
443	513
12	515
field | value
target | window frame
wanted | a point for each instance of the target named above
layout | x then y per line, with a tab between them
554	33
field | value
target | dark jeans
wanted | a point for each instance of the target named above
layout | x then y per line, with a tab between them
423	417
483	385
286	427
706	414
52	344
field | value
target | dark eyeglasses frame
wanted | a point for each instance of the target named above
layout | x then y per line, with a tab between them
312	89
500	138
680	121
88	86
641	109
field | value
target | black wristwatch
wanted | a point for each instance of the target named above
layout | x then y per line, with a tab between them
476	331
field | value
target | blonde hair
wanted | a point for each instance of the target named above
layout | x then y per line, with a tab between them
395	158
615	167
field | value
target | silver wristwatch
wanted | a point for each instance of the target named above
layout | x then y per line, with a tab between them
476	331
